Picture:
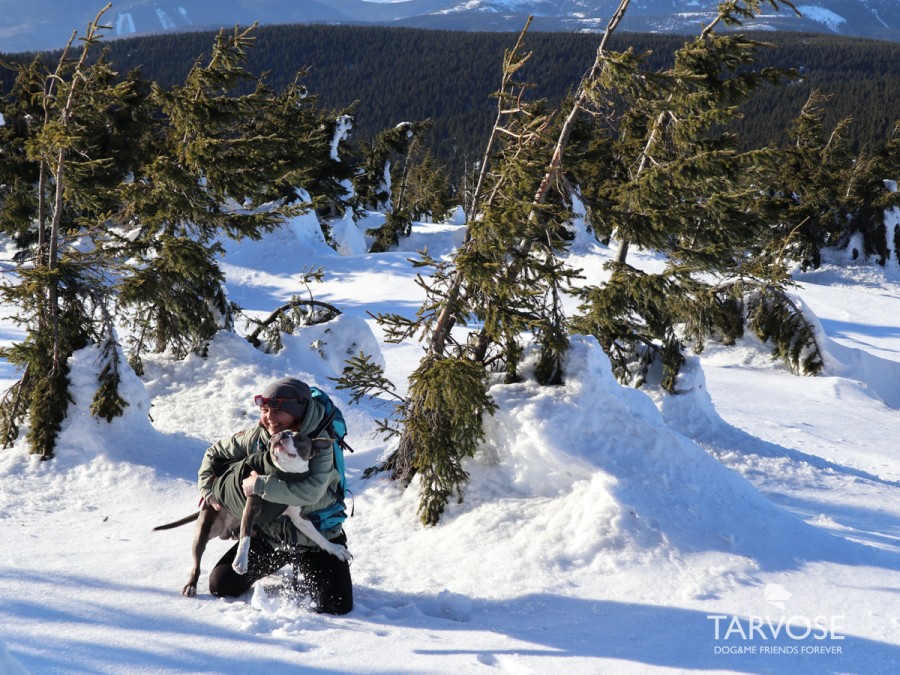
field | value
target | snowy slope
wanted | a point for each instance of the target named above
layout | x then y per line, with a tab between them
749	524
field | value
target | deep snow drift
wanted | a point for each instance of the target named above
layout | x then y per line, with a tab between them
749	524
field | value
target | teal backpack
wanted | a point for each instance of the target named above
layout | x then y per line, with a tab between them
333	422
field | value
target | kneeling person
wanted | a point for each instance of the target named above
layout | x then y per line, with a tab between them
285	404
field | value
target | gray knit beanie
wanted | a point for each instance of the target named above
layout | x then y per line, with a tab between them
288	394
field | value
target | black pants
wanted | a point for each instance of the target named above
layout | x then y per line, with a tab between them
325	577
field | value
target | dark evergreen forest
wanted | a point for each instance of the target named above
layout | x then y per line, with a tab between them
392	75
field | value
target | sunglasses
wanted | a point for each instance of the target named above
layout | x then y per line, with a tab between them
273	403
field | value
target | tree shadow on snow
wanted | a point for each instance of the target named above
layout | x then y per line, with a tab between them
556	627
837	531
856	524
142	627
150	630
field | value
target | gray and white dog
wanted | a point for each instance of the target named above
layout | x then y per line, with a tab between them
291	452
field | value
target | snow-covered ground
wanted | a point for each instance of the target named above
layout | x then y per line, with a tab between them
824	16
749	524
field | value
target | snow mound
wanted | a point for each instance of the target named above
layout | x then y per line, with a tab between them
324	349
440	240
233	371
83	437
581	480
879	377
349	239
286	250
587	475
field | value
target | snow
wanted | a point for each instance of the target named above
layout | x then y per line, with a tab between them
342	130
125	24
164	20
826	17
748	524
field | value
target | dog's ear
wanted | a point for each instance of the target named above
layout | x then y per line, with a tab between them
300	441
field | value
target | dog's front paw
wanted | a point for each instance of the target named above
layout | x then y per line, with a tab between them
189	590
242	556
340	552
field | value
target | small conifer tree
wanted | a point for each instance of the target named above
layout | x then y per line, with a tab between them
810	191
427	190
60	285
381	184
676	184
506	276
108	402
222	163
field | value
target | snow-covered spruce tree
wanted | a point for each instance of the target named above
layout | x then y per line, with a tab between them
225	160
524	183
675	184
290	132
108	402
824	196
811	185
821	195
506	276
426	190
513	275
871	194
19	174
63	194
381	181
884	168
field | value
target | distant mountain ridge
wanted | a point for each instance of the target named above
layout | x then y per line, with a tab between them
38	25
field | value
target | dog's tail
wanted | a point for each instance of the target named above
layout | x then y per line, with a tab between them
178	523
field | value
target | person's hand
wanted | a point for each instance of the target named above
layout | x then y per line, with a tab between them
249	483
206	496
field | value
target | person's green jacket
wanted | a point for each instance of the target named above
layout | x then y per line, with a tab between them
314	491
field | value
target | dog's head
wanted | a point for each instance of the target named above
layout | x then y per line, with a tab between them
291	450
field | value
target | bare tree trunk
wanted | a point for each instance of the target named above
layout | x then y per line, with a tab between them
77	78
51	86
42	216
446	320
52	256
580	101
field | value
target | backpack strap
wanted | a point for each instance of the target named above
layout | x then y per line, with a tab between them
324	424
